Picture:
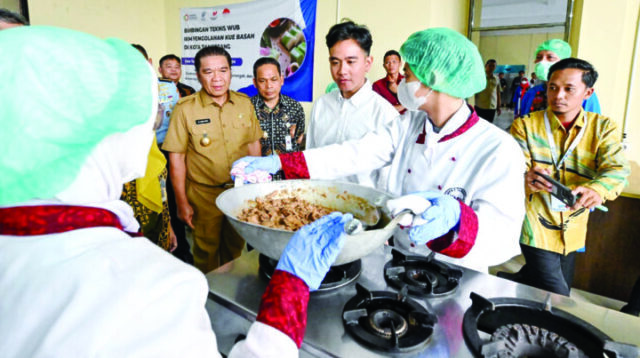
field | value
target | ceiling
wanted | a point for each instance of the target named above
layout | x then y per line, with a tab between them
522	12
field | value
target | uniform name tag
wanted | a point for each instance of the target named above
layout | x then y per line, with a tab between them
203	121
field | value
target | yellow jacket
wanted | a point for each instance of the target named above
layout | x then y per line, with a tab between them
597	162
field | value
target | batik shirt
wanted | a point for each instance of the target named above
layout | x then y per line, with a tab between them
285	119
597	163
185	90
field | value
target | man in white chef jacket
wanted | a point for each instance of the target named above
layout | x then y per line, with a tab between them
355	109
462	176
74	281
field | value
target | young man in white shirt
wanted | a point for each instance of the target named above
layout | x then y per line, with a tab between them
355	109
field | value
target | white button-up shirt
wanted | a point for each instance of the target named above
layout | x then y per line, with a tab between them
335	119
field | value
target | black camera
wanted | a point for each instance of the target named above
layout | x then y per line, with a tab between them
560	191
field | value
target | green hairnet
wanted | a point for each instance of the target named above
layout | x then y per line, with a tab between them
331	87
61	93
445	61
559	47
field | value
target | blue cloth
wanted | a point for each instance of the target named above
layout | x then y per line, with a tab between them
592	104
527	99
168	96
271	164
517	100
442	216
314	248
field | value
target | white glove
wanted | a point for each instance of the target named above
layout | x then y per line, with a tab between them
416	203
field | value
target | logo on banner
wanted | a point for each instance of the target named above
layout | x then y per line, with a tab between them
216	13
283	30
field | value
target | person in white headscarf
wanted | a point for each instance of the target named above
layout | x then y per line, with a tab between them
76	114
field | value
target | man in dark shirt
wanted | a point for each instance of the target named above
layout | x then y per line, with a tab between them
514	85
170	69
281	117
503	89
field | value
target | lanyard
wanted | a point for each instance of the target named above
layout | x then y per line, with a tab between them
552	143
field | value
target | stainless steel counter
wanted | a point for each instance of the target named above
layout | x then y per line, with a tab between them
236	288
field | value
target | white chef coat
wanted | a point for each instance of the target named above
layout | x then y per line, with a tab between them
99	293
335	119
483	167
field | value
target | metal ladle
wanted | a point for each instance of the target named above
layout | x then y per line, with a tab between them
355	226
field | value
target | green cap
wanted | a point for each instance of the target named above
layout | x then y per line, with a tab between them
445	61
62	92
559	47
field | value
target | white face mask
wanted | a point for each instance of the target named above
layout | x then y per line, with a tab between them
542	69
407	95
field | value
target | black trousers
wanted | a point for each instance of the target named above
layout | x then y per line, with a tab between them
488	114
183	251
548	270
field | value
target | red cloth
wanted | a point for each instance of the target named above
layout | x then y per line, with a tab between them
466	235
294	165
53	219
470	122
473	119
381	87
284	305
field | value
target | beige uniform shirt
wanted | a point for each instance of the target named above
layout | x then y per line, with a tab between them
230	128
488	98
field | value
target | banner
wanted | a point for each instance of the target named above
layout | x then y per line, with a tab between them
282	29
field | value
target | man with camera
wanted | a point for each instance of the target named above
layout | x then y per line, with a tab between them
577	149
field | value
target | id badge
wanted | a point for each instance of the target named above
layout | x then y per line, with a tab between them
557	205
287	143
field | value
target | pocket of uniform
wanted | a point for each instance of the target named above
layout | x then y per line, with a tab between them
243	120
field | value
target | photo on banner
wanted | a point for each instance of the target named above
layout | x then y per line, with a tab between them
281	29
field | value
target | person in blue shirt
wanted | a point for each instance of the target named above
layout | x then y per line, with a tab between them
548	53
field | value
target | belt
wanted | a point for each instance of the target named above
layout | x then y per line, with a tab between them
220	186
224	186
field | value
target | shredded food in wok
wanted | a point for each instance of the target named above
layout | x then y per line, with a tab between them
289	213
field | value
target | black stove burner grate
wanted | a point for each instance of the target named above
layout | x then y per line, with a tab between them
520	327
388	321
424	276
338	276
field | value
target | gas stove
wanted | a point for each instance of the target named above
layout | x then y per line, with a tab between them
337	276
387	321
402	305
424	276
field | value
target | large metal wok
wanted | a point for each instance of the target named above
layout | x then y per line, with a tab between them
271	242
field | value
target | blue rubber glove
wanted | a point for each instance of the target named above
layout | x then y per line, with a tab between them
314	248
442	216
